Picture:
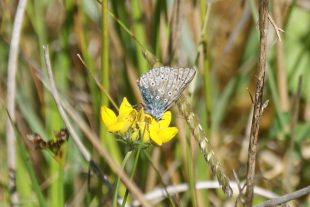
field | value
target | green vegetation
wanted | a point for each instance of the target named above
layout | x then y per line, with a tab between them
120	40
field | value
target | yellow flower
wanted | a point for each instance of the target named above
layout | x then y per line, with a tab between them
160	132
157	131
136	124
123	121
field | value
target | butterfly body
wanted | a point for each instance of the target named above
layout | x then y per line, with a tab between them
161	87
54	145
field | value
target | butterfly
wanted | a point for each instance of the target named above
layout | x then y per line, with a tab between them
162	86
53	145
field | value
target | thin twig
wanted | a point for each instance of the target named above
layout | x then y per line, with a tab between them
276	28
11	92
98	83
285	198
263	19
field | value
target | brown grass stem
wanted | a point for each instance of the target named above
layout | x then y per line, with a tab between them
258	101
280	57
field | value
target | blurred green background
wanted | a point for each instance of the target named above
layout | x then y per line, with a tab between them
218	38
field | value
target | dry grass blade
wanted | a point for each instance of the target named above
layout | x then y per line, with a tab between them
11	87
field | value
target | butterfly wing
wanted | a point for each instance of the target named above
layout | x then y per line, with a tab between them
151	92
161	87
179	79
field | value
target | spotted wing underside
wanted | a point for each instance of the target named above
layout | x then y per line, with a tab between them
161	87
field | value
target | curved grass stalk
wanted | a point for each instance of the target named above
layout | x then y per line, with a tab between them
204	145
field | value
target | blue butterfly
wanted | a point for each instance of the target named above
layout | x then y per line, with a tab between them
161	87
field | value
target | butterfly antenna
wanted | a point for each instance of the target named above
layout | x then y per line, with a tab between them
205	147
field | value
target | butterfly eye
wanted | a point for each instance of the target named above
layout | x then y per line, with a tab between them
169	93
157	97
153	83
165	100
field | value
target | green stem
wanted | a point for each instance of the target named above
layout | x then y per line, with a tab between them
191	174
106	137
127	156
105	50
133	171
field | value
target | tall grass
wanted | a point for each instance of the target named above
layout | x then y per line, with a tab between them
219	39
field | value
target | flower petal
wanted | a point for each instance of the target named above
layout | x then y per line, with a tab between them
119	126
168	133
166	119
125	107
108	117
155	137
160	136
